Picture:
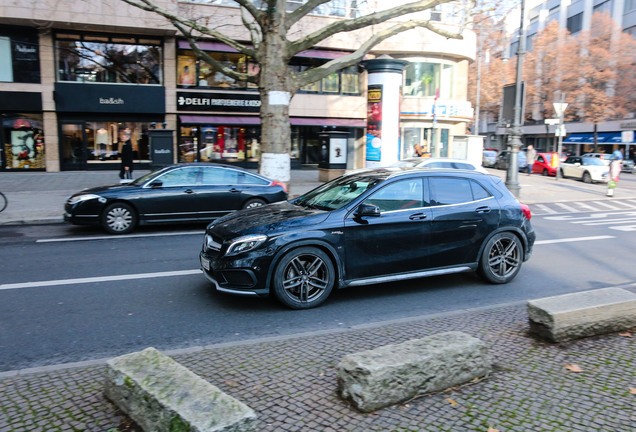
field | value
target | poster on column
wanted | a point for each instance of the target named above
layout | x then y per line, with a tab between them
374	123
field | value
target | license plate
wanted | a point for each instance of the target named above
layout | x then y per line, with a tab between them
205	263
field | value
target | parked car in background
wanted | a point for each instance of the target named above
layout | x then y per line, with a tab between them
489	158
198	192
503	157
439	162
627	165
544	165
367	227
588	169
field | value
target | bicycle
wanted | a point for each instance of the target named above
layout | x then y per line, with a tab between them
3	202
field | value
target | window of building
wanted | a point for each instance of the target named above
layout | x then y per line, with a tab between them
108	59
23	141
424	79
575	23
198	73
606	6
19	55
630	5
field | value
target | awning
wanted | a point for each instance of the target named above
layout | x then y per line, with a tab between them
578	138
255	120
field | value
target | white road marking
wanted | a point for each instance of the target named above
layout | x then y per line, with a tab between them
586	207
97	279
606	205
573	239
566	207
544	208
116	237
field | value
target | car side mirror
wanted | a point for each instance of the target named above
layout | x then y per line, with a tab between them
156	184
369	210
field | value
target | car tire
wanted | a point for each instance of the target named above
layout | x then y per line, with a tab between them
501	259
119	218
545	172
254	202
587	178
561	171
304	278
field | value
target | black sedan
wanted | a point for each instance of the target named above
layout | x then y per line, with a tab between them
369	227
179	193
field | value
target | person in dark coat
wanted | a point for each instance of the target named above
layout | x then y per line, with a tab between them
126	160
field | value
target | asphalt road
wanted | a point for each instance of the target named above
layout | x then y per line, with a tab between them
69	294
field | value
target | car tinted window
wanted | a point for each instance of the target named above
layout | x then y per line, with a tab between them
219	176
450	190
246	178
462	165
592	161
404	194
479	192
180	177
540	159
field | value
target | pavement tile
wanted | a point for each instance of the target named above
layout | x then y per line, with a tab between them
291	384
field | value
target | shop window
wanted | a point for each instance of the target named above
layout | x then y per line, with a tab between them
350	80
219	143
23	142
331	83
19	56
424	79
194	72
108	59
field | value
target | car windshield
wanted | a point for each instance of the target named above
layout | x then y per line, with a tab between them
592	161
338	193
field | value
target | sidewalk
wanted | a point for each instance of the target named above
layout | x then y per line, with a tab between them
291	381
39	197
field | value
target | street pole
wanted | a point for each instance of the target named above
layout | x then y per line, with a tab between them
559	108
512	177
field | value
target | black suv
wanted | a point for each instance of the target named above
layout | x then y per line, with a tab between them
369	227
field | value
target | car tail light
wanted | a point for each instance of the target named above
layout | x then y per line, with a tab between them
281	184
525	209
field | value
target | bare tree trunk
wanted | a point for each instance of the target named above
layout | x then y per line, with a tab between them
275	88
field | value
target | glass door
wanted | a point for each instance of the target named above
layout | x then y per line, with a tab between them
73	146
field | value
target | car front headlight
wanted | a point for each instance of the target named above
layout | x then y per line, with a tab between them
245	244
79	198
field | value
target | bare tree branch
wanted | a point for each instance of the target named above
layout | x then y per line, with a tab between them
355	24
303	10
312	75
150	6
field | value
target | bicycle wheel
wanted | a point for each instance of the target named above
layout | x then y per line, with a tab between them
3	202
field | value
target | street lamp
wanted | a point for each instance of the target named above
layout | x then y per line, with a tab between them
512	178
559	109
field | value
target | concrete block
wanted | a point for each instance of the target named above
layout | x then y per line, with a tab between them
161	395
573	316
391	374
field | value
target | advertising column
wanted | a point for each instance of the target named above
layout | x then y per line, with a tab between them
383	110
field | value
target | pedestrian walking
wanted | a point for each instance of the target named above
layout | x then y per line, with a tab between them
531	153
614	171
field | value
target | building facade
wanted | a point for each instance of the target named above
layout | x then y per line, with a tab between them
575	16
79	78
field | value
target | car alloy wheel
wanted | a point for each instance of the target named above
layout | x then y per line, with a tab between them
254	202
119	218
304	278
587	178
502	258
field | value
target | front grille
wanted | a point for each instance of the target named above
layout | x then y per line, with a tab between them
237	278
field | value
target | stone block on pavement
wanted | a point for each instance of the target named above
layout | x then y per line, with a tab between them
573	316
391	374
161	395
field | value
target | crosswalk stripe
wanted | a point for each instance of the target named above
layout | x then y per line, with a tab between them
543	207
606	205
586	207
566	207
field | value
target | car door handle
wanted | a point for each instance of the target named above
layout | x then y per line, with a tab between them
484	209
234	190
189	191
417	216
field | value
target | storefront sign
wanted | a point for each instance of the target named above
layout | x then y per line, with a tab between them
20	101
225	102
106	98
445	108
